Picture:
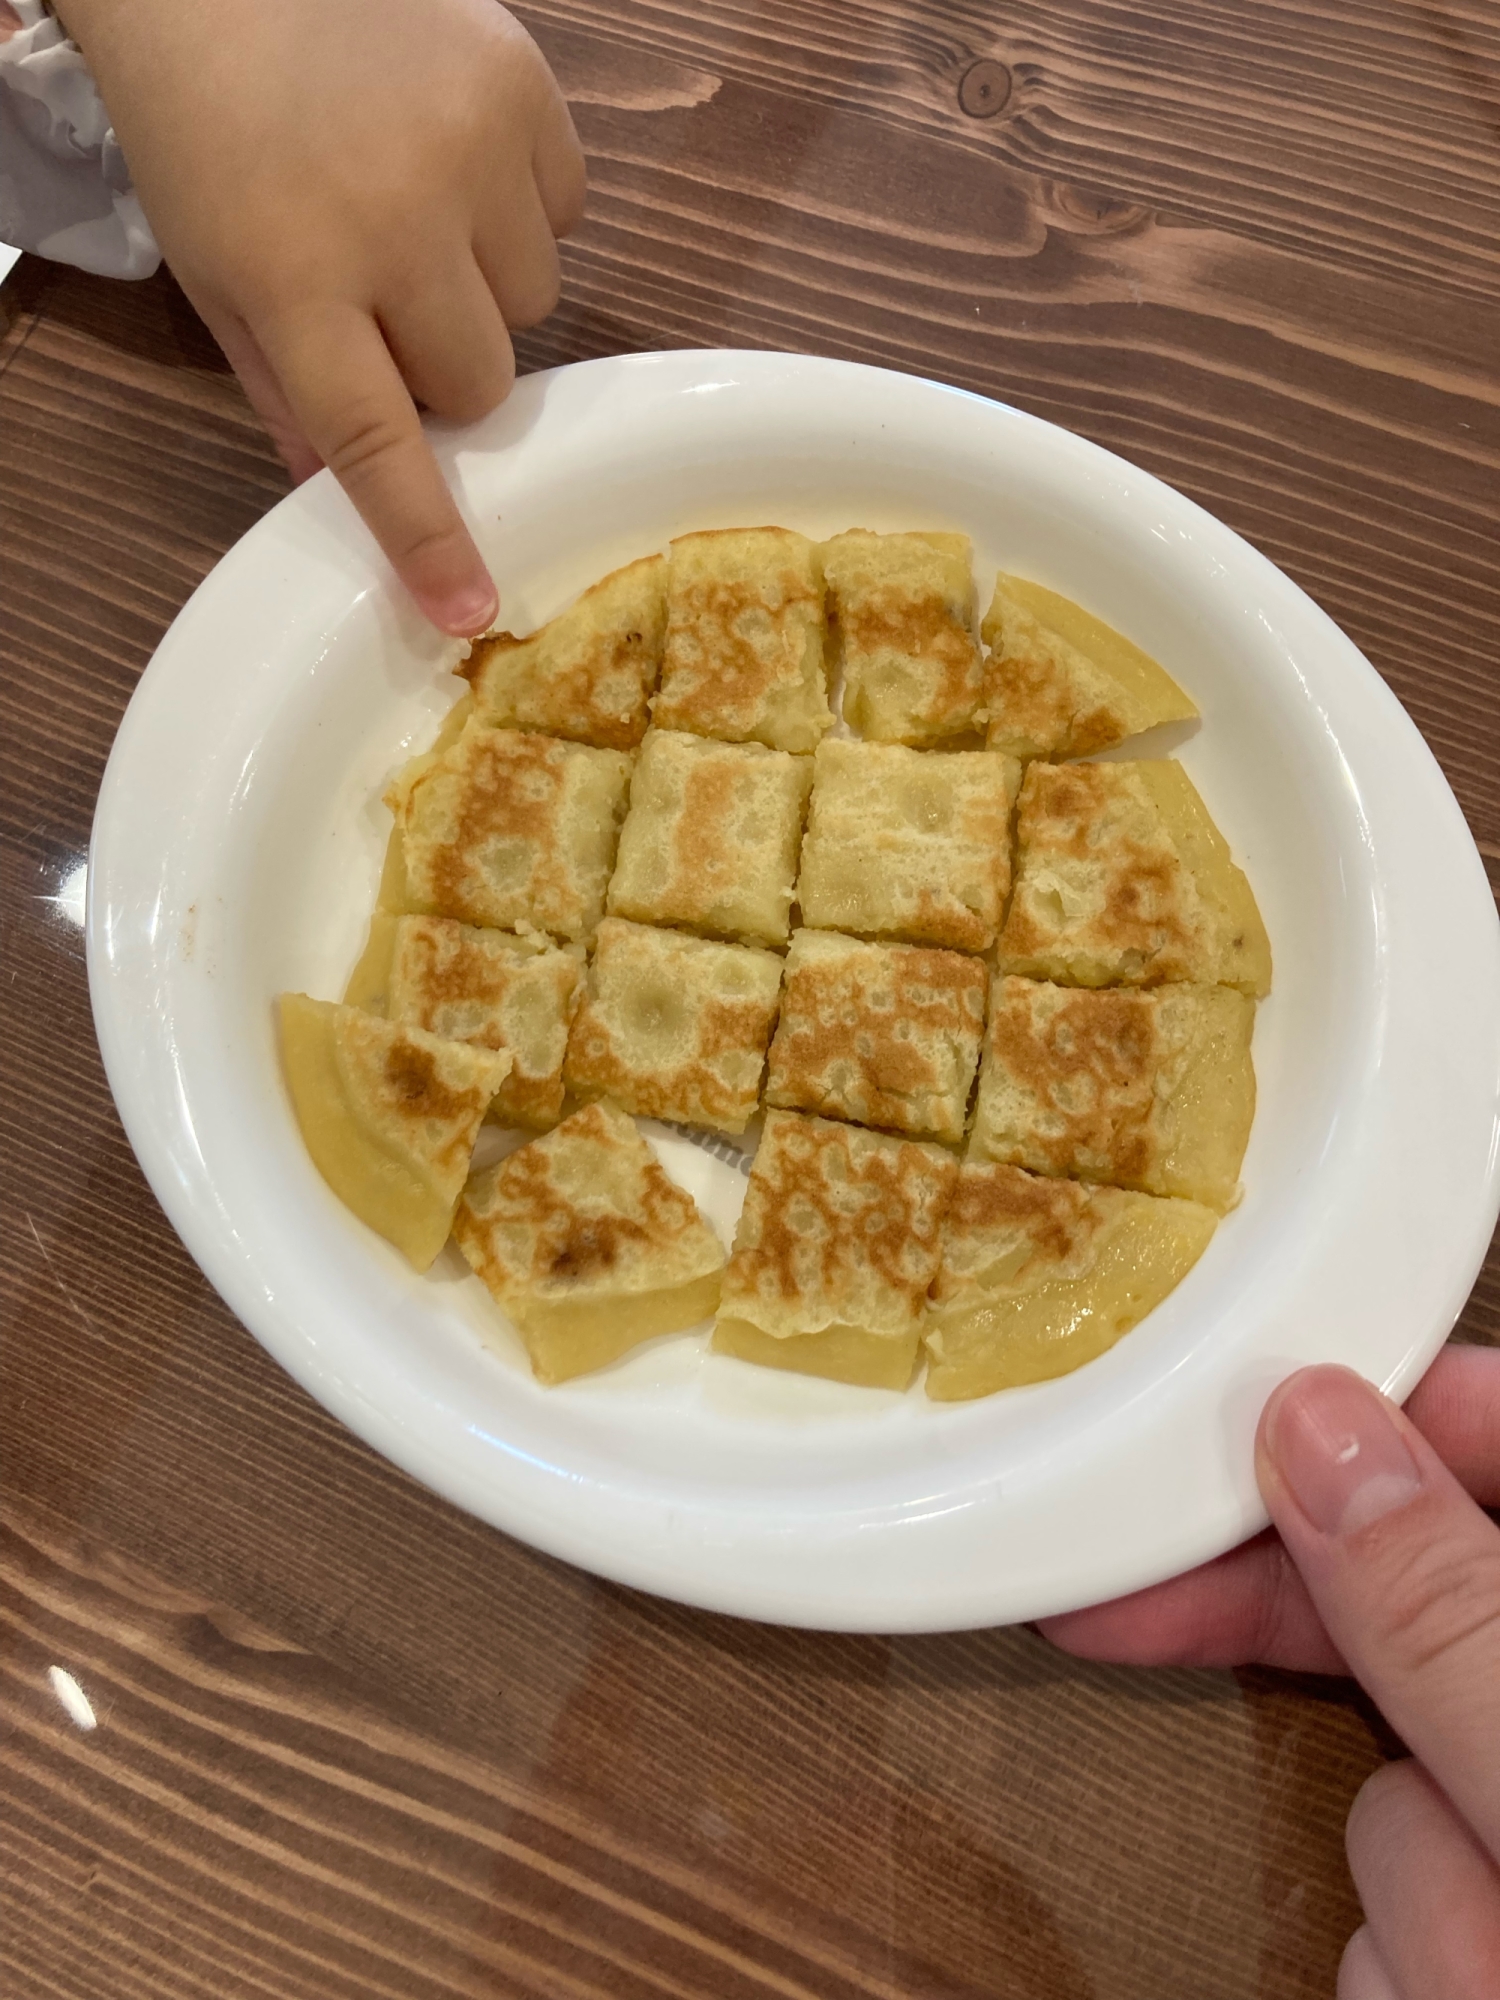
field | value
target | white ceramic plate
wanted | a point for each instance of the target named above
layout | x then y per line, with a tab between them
236	850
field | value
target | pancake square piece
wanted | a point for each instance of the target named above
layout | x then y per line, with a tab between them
1123	879
1061	683
587	675
1152	1090
389	1114
902	610
674	1027
586	1244
879	1034
909	844
507	829
745	639
712	837
492	988
1039	1276
837	1244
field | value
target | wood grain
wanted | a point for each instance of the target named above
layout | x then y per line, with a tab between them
350	1742
647	1802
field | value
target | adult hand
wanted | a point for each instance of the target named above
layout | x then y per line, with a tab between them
1382	1566
360	197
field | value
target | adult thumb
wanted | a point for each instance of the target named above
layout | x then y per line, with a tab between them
1404	1569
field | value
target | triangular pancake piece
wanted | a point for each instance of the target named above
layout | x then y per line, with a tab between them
389	1114
1039	1276
586	1244
1062	683
589	673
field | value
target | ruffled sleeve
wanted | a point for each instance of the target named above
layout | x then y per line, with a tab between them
64	187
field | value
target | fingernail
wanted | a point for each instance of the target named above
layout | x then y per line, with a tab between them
1331	1437
467	611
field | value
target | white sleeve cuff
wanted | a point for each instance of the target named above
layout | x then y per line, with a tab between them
64	187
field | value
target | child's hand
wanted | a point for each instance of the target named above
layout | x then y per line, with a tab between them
1385	1563
359	196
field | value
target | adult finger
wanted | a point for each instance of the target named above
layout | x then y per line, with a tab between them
1456	1407
1430	1893
343	385
242	352
1362	1973
1404	1569
1251	1604
1247	1605
450	342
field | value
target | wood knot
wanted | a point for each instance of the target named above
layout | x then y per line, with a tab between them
1088	213
984	89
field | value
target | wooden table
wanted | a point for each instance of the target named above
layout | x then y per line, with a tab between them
349	1742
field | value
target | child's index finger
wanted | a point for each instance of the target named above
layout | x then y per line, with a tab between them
339	377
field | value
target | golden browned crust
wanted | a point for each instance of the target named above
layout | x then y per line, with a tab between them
584	1210
840	1228
1040	1276
712	837
1123	879
909	844
745	639
1029	1225
389	1114
1132	907
902	607
1147	1089
1061	683
674	1027
880	1034
1084	1065
1038	709
589	673
508	828
495	990
423	1095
